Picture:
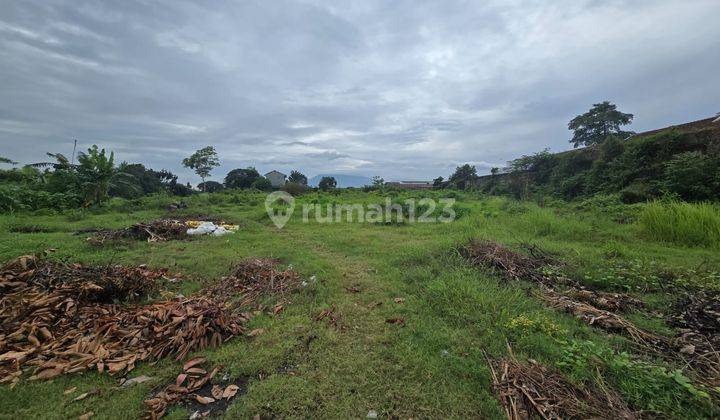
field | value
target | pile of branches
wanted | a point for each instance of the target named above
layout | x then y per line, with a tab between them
510	264
154	231
614	302
600	318
64	318
697	318
190	385
531	390
699	312
254	278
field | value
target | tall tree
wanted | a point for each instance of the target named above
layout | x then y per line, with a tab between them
463	176
241	178
297	177
594	126
327	183
6	160
378	181
202	162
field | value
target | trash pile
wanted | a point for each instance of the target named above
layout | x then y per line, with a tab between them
193	387
65	318
209	228
531	390
161	230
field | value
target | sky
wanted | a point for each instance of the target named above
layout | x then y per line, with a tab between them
402	89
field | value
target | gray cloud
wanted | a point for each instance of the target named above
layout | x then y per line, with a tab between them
401	89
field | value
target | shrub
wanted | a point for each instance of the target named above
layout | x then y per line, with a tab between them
635	193
693	176
682	223
262	184
295	189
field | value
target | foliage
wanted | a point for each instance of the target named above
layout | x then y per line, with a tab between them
61	162
7	160
687	224
262	184
594	126
327	183
297	177
684	164
97	174
241	178
463	177
644	386
210	186
439	182
693	176
295	189
378	181
202	161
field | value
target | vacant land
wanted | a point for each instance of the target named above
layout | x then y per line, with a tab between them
403	320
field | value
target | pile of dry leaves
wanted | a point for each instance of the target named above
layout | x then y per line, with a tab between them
254	278
697	318
193	386
531	390
62	318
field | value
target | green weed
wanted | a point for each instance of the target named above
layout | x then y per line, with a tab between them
682	223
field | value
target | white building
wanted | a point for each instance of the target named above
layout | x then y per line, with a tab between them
277	179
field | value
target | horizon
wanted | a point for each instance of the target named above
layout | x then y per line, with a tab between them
402	91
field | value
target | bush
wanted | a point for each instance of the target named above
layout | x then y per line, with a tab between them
295	189
262	184
693	176
682	223
635	193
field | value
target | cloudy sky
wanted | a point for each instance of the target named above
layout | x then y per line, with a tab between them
401	89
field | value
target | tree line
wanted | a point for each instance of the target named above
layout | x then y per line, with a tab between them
61	183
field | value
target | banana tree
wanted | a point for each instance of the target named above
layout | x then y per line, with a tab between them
98	174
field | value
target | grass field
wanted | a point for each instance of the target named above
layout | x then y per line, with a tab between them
432	367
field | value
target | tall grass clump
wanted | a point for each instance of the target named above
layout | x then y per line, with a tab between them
690	224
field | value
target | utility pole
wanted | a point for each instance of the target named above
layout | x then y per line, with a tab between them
72	159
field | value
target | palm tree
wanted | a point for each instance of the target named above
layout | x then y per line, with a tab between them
6	160
98	174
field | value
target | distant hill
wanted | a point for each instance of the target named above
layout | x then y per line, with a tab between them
343	181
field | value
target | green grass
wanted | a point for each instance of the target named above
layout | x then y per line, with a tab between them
690	224
433	367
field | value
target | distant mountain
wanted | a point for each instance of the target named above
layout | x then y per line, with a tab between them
343	181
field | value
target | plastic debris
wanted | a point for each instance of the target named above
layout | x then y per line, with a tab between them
207	228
